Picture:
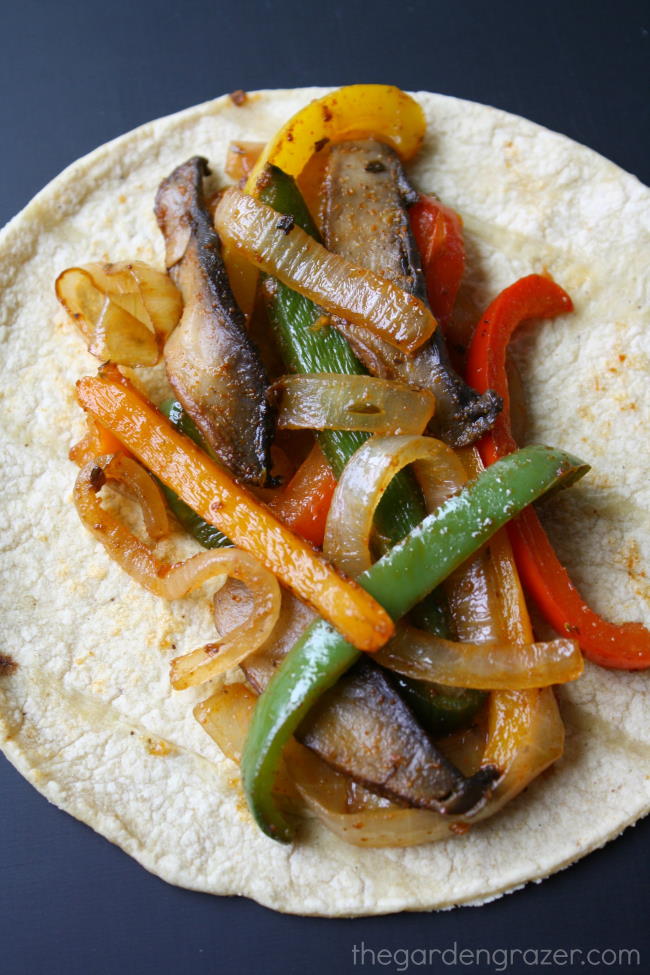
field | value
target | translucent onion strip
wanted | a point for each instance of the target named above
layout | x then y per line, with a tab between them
122	545
123	310
217	657
225	716
272	242
142	487
483	666
364	480
240	159
330	401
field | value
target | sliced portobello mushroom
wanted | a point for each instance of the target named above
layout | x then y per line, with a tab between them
367	195
213	366
364	728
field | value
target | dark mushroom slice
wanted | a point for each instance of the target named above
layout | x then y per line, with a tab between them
214	368
366	202
362	726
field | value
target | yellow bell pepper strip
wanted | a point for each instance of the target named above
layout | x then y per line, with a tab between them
213	495
353	112
624	646
399	580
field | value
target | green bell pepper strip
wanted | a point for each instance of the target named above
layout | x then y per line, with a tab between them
439	709
307	347
399	580
206	534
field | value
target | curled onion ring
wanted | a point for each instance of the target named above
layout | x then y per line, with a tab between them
217	657
364	480
121	544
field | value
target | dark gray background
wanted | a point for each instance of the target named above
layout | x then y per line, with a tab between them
75	74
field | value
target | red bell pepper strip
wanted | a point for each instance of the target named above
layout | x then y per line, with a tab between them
438	233
304	503
623	646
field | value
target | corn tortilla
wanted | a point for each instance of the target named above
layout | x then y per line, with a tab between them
88	716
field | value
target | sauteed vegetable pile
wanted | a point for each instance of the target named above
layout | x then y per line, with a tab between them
363	510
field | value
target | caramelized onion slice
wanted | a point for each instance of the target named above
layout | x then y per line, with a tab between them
526	735
147	294
142	487
218	656
240	159
272	242
364	480
122	545
136	558
121	309
483	666
226	717
330	401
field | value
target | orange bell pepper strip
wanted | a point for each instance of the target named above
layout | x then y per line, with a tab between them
623	646
219	500
305	501
97	442
438	232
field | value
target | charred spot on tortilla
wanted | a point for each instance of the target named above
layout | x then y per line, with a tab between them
238	97
7	665
367	195
213	366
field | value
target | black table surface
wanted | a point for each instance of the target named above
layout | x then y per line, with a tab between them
76	74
